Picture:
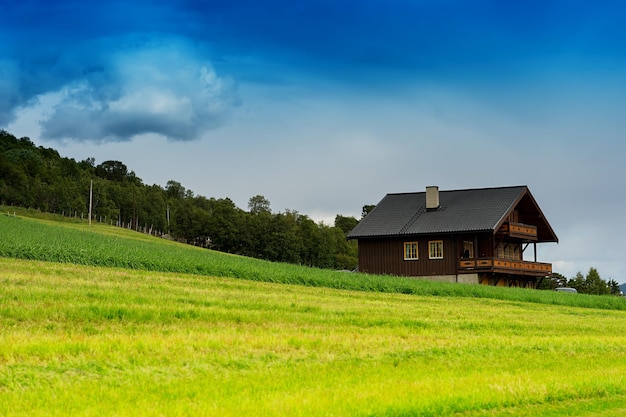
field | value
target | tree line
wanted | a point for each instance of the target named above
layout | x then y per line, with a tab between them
591	283
40	178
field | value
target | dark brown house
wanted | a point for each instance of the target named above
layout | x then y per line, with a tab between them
481	236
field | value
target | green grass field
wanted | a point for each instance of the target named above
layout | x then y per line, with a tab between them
104	321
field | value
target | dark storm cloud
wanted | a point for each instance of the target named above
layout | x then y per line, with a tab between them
116	70
160	87
122	68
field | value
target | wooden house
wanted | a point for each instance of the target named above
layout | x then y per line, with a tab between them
481	236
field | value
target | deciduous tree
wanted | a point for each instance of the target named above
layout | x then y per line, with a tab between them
259	204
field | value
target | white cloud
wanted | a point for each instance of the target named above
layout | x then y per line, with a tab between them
164	89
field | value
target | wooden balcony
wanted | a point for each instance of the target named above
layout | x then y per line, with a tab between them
504	266
518	231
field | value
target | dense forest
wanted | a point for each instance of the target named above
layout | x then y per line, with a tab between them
39	178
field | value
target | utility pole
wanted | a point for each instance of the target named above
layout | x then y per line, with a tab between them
168	219
134	221
90	200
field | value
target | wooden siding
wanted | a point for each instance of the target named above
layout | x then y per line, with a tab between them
386	256
506	266
518	231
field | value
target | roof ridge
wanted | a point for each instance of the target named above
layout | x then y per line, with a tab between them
463	189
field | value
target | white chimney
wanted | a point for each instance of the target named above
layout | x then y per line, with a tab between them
432	198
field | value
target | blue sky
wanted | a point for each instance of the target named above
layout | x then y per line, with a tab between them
323	107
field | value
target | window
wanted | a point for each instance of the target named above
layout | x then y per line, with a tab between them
410	251
509	251
468	249
435	249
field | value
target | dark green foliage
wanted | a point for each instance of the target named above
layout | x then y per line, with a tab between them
112	170
590	284
39	178
551	282
346	224
614	287
259	204
366	209
175	190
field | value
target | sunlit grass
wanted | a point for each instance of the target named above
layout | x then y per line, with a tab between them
81	340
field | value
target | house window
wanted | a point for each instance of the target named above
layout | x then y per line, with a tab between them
509	251
435	249
410	251
468	249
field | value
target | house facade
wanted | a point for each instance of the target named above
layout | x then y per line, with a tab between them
484	236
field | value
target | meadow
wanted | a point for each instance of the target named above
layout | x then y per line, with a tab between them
102	245
104	321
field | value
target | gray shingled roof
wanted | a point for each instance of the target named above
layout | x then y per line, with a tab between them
475	210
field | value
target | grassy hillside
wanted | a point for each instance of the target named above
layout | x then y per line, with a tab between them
165	336
103	245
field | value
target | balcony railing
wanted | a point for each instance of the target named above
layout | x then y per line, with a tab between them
519	231
505	266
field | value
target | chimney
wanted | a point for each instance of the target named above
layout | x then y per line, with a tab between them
432	198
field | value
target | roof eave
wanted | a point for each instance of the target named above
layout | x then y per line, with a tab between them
451	232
